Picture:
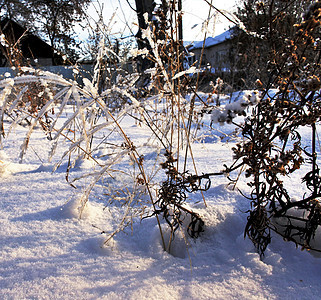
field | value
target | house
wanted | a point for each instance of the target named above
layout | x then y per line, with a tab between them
217	52
33	50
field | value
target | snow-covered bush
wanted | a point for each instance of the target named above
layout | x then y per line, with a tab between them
236	108
273	147
95	112
38	99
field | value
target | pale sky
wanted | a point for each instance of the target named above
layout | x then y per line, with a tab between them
195	12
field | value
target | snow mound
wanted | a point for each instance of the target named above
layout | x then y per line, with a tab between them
73	209
95	245
45	167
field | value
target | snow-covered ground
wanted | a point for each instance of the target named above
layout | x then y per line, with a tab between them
47	252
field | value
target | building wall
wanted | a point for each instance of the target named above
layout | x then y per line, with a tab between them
216	56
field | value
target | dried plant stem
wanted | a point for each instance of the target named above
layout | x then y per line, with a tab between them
140	165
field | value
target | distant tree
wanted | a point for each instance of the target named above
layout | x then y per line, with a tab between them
57	19
268	24
17	10
53	20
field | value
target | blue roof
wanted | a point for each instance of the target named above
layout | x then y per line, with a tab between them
211	41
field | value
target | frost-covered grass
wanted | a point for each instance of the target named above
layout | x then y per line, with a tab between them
47	252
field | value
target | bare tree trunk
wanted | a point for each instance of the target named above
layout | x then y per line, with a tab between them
143	7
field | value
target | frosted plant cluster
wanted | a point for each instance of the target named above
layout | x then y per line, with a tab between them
227	113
